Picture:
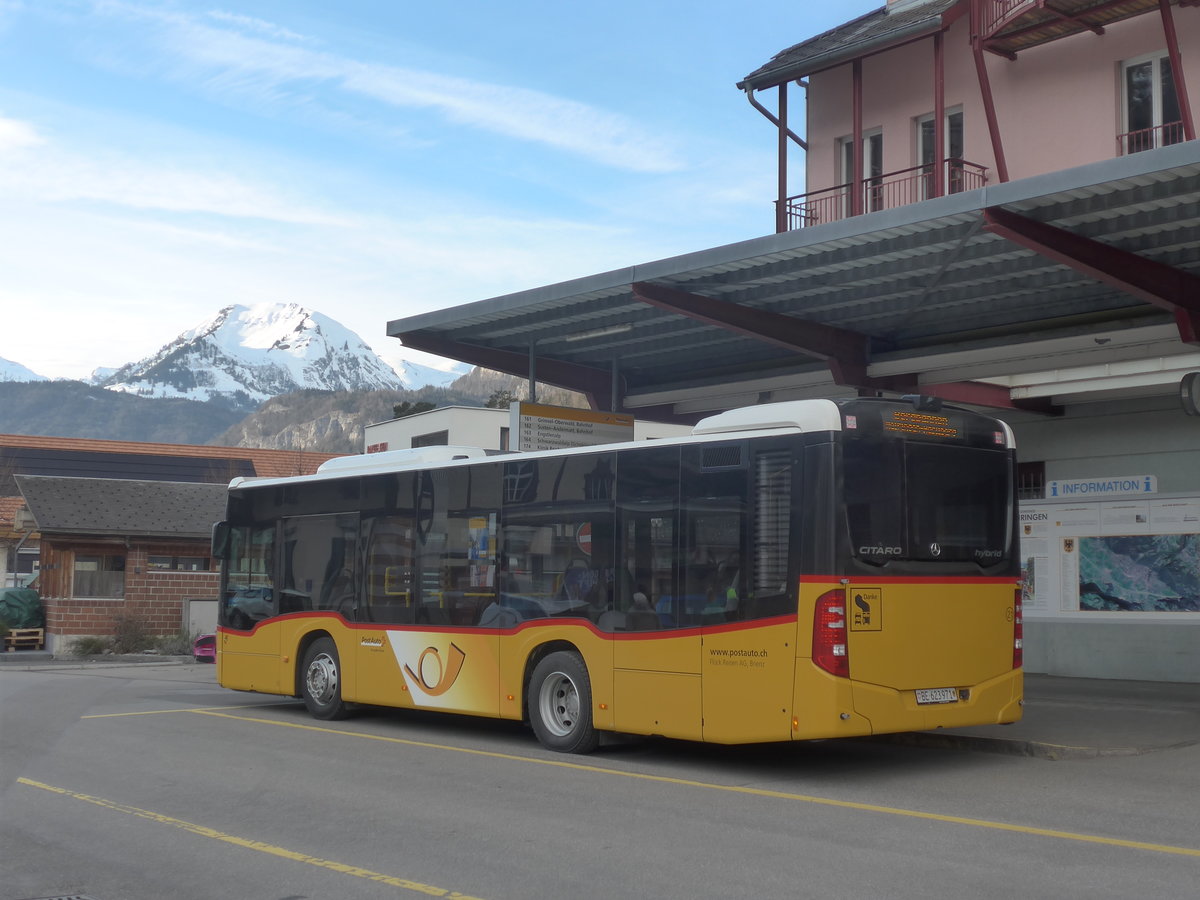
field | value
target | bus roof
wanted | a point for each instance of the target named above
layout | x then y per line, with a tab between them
787	417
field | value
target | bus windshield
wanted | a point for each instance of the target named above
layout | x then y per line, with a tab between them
917	500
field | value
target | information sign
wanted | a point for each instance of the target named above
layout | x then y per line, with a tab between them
540	427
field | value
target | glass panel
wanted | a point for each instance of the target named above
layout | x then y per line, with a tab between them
1171	115
648	577
1139	106
954	177
99	576
958	501
390	595
873	165
249	590
178	563
319	564
457	512
925	140
909	500
714	578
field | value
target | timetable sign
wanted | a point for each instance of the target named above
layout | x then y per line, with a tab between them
541	427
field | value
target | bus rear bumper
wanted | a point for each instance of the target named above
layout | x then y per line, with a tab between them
993	702
828	707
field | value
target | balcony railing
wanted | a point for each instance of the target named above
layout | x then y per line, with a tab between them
993	12
886	191
1150	138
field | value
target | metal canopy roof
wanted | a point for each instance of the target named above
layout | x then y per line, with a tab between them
1058	288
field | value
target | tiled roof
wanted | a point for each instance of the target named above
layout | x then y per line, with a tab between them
265	463
116	506
844	43
8	513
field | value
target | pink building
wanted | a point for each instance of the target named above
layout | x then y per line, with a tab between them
1006	89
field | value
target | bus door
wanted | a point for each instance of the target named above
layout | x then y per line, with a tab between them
431	592
248	657
736	547
656	646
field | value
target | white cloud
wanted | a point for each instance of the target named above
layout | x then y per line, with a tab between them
17	135
249	23
59	173
240	60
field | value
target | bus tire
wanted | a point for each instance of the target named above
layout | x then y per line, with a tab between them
560	704
321	681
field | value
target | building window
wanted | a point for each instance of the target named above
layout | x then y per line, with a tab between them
99	576
927	159
433	439
177	563
1151	105
872	184
1031	481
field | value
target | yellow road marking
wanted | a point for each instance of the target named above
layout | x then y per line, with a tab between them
161	712
246	843
736	789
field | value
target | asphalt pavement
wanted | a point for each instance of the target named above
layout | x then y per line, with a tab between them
1064	718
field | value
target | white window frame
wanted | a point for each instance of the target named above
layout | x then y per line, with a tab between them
1156	60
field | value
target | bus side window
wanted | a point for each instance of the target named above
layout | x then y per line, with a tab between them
648	541
457	523
390	590
319	568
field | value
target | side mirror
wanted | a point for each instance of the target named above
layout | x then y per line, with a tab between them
220	540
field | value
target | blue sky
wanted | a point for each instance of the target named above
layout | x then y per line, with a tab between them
372	160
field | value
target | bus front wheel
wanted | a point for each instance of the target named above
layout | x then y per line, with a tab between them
560	704
321	681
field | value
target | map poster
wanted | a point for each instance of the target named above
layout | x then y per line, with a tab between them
1139	573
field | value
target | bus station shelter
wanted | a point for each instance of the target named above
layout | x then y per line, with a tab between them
1067	304
1077	286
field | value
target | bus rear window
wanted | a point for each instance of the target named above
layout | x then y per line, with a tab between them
926	501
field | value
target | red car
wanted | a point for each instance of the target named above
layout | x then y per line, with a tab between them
204	649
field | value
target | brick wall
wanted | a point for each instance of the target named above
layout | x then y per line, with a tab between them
157	597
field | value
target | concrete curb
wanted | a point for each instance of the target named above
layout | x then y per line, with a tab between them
1018	747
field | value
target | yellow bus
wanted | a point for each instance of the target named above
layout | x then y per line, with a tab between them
798	570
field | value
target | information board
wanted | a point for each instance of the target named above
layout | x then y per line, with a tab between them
540	427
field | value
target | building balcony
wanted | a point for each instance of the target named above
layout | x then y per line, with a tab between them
1010	26
877	192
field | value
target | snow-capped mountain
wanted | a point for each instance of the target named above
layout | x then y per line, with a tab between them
14	371
251	353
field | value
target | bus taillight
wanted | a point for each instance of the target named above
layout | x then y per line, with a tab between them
829	634
1018	633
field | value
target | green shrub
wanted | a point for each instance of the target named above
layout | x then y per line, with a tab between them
91	645
179	644
130	634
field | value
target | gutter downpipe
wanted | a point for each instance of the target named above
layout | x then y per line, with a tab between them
985	88
1185	106
780	122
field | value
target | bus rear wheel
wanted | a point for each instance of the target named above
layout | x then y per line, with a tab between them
560	704
321	681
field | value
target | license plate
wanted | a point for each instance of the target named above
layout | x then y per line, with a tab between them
937	695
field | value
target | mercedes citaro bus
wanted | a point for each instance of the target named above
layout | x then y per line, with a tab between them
789	571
